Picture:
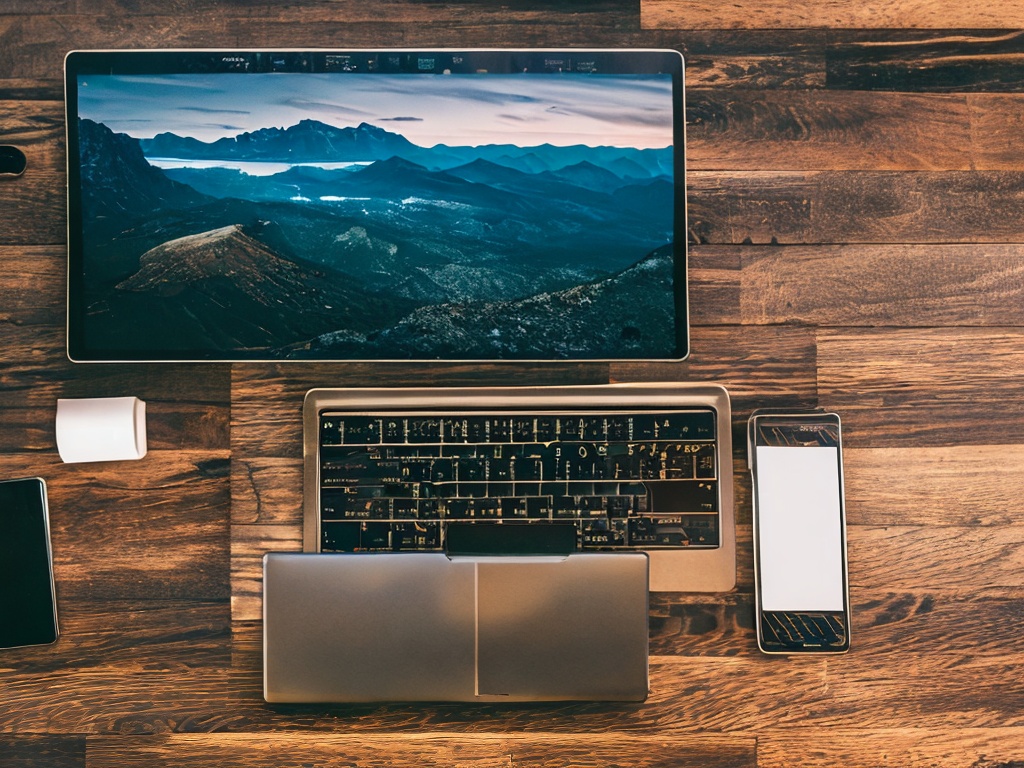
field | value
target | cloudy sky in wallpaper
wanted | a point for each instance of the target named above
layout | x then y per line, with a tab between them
428	109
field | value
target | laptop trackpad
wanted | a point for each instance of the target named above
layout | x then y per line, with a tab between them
556	629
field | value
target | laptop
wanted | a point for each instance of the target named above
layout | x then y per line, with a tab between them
376	205
496	544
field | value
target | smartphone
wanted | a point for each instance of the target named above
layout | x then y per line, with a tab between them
800	569
28	603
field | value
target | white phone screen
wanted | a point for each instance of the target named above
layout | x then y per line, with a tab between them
799	528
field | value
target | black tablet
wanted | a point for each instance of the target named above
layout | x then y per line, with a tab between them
376	205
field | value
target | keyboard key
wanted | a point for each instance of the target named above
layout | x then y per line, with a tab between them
620	480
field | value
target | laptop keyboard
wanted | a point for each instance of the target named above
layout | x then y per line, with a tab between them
614	480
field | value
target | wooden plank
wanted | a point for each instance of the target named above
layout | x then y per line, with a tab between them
948	559
555	12
911	747
127	635
924	387
702	625
34	290
248	545
960	485
919	687
266	490
12	7
713	274
849	207
831	14
735	58
34	203
948	60
901	60
184	409
337	750
886	623
913	691
845	207
751	59
840	130
739	129
882	285
118	701
121	667
997	128
24	89
33	47
29	751
154	528
978	624
29	423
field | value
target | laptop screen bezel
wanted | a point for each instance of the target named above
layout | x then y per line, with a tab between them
129	62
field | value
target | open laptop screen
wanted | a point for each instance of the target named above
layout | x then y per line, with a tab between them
376	205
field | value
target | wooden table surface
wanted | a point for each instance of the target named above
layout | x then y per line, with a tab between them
856	198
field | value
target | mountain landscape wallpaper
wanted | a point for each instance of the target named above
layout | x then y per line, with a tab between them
378	217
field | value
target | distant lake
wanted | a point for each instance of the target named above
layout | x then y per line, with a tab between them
249	167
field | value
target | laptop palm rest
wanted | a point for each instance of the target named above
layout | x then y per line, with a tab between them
426	627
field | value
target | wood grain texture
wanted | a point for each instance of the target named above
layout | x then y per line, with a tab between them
883	285
32	46
914	748
121	666
31	751
283	750
957	485
828	130
947	60
735	129
948	559
747	59
925	387
248	545
856	179
155	528
832	14
829	207
34	204
913	687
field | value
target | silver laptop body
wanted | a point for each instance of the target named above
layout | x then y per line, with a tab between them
444	626
426	627
692	568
